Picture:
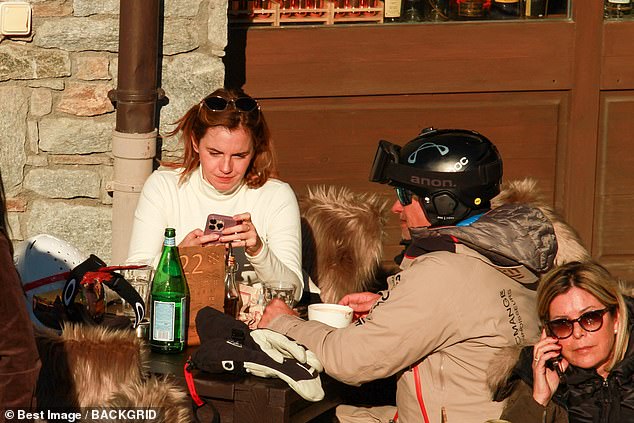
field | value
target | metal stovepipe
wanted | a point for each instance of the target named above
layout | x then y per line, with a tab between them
135	99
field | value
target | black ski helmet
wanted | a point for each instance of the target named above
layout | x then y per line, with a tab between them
454	172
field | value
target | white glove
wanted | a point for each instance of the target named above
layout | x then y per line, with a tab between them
309	389
278	346
313	361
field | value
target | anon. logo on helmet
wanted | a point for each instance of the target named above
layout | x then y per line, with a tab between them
442	149
432	182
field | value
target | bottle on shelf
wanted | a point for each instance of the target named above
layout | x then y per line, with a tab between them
412	12
169	299
506	9
232	292
392	10
536	8
617	9
469	9
436	10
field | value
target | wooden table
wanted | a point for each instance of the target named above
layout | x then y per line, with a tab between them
249	399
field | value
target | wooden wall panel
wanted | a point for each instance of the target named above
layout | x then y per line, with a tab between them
617	71
332	141
614	226
578	181
401	59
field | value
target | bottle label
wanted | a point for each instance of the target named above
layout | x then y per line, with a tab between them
392	9
169	242
163	321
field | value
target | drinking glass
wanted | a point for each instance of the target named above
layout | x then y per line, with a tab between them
283	290
140	279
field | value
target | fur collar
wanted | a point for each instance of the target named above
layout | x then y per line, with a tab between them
525	191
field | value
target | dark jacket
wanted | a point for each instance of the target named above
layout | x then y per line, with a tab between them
583	395
19	359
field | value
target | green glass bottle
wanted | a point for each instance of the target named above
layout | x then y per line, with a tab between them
169	299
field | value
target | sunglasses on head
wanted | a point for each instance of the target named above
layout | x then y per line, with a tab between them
590	321
242	104
404	196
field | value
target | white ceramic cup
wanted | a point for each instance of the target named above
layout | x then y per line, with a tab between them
335	315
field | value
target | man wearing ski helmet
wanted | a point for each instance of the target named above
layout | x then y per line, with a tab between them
466	289
453	173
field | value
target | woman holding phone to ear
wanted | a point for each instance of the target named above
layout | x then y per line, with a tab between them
228	168
582	368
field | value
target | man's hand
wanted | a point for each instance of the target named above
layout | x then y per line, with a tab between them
276	307
360	302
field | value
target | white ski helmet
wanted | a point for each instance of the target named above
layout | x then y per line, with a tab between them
43	262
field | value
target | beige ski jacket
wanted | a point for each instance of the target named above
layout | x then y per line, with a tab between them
462	295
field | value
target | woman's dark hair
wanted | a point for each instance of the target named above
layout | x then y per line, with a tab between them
194	124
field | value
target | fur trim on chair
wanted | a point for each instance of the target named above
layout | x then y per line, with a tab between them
94	366
342	239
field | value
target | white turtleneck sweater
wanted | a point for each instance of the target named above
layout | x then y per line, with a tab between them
273	207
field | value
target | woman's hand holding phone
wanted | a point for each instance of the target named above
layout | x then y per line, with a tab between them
245	235
238	230
197	238
546	376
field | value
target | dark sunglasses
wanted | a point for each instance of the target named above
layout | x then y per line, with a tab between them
404	196
591	321
241	104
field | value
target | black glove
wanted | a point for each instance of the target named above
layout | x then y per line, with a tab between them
227	345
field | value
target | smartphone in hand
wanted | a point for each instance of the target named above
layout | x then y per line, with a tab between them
553	363
215	224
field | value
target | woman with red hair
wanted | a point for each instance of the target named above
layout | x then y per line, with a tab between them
228	168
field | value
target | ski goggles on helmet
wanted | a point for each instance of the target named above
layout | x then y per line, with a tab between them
387	169
216	103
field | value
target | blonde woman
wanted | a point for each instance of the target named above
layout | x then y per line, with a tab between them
582	368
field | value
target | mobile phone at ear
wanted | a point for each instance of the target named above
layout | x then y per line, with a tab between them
553	363
216	223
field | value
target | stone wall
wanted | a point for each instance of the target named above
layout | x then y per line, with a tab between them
56	121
